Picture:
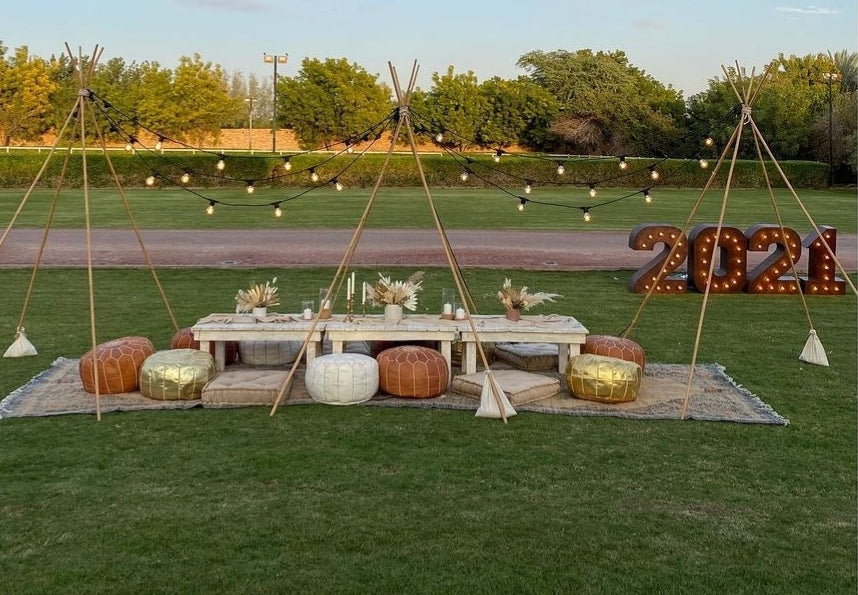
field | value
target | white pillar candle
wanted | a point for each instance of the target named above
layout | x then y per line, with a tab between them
348	287
326	305
460	313
448	308
354	287
363	293
308	314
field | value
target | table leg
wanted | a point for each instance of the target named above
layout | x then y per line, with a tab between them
312	347
337	346
469	357
447	352
219	355
562	357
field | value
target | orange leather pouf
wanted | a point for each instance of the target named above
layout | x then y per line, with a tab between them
412	371
617	347
184	339
119	364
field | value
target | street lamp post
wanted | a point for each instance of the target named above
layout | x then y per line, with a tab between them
830	77
250	100
274	59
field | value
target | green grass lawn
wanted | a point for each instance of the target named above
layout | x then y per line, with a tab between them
407	207
353	500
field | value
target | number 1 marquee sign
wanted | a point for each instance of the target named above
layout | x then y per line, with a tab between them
731	275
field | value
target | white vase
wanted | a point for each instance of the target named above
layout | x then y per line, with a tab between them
260	312
392	313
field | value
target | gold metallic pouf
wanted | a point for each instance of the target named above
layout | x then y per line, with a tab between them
603	379
176	374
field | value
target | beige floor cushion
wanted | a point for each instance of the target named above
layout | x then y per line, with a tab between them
520	387
243	386
528	356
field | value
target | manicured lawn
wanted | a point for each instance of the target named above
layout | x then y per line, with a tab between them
325	499
407	207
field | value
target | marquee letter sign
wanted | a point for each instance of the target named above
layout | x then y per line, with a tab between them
729	272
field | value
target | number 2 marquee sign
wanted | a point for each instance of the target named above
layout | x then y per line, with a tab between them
731	275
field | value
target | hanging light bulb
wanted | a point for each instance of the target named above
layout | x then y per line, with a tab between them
528	187
708	141
278	212
150	180
497	155
287	164
439	138
587	215
623	164
702	162
129	146
159	144
521	202
653	174
313	175
465	175
221	163
186	177
592	191
349	148
338	185
250	187
560	169
210	208
647	197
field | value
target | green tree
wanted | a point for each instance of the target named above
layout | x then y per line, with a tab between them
455	106
26	85
200	95
331	101
608	106
517	112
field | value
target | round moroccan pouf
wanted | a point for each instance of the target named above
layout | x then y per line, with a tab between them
118	366
603	379
618	347
184	339
411	371
342	378
176	374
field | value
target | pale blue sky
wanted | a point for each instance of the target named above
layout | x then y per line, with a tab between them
681	43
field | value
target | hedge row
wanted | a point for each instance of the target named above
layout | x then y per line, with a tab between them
19	169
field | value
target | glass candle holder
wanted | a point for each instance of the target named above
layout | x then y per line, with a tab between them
307	308
448	303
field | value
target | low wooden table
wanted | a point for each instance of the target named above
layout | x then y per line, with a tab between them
412	327
220	328
564	331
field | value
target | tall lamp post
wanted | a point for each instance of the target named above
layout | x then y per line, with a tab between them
274	59
829	78
249	100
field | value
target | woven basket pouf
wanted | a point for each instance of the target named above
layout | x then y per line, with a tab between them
342	378
618	347
184	339
119	364
411	371
176	374
603	379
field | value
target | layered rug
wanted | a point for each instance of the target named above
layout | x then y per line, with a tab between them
714	397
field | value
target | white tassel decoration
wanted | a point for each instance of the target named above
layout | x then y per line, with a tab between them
813	352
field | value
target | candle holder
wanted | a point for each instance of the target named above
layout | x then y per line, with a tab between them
448	304
324	305
307	307
349	305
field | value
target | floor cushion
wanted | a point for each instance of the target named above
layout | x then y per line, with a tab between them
618	347
118	366
520	386
528	356
268	353
176	374
603	379
184	339
412	371
240	387
342	378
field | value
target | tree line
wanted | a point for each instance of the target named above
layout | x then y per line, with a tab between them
572	102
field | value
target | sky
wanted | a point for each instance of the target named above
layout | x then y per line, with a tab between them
680	43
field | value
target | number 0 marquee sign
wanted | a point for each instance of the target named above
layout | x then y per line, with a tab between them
731	275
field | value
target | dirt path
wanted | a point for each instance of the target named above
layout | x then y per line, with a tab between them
535	250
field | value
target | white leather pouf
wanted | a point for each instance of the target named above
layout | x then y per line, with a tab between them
342	378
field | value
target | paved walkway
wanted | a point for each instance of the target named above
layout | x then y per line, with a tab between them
535	250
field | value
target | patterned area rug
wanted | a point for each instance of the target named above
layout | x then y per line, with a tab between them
714	397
